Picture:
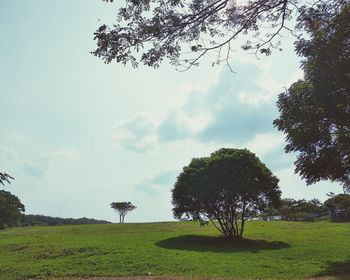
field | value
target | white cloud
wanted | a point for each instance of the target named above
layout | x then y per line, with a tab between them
7	153
298	75
136	134
41	165
265	143
234	109
293	186
172	128
161	181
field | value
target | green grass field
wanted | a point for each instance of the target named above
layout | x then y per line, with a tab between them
277	250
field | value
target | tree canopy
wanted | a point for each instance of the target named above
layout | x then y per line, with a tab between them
11	209
315	111
122	208
298	210
148	31
339	206
340	201
226	189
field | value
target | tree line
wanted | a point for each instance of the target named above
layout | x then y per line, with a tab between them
335	208
22	220
41	220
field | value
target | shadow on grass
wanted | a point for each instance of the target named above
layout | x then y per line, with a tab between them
201	243
339	270
340	221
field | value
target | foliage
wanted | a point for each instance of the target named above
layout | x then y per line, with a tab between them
229	187
277	250
300	210
122	208
315	112
4	177
297	210
160	29
270	213
339	206
11	209
36	220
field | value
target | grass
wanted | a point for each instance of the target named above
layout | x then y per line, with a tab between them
273	250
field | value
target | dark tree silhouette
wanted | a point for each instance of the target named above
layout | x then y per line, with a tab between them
11	209
122	208
315	111
339	206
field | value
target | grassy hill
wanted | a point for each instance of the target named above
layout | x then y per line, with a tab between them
278	250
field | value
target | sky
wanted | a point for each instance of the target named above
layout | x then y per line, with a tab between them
78	134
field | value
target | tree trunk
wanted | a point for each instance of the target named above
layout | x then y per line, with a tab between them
242	227
232	230
229	229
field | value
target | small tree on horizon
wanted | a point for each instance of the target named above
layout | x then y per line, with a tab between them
122	208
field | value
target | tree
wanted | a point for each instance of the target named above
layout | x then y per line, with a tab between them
270	214
315	111
32	220
300	210
226	189
339	206
122	208
4	177
173	28
11	209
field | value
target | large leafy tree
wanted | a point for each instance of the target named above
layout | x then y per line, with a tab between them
183	31
315	111
226	189
122	208
11	209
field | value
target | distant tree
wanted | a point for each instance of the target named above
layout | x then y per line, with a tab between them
315	111
11	209
4	177
226	189
299	210
270	213
122	208
31	220
339	206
